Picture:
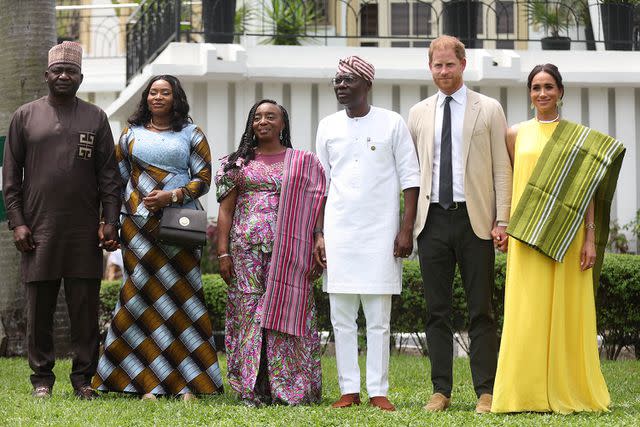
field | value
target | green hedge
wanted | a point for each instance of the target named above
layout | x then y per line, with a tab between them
618	302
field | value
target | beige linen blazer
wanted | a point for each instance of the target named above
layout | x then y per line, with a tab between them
487	168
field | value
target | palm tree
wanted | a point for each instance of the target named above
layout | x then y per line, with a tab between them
27	31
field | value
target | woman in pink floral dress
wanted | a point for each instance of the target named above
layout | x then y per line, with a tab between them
270	196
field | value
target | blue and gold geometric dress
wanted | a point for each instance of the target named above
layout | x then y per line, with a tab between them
160	339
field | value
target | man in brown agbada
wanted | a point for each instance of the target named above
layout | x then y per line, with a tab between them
62	192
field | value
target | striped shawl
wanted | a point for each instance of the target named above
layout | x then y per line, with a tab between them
288	284
577	165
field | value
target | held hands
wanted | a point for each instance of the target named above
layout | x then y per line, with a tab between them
403	244
156	200
587	255
500	238
108	236
23	239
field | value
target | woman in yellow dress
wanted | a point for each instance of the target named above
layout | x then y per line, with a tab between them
548	358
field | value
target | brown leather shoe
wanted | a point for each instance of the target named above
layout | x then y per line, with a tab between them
41	392
86	392
438	402
347	400
382	402
188	397
484	403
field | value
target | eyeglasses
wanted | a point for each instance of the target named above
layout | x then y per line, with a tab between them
347	79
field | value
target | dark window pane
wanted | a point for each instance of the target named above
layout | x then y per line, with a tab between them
504	44
400	44
504	17
421	44
369	20
399	19
421	18
480	18
369	44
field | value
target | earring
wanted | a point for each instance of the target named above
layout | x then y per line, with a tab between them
533	107
559	103
280	135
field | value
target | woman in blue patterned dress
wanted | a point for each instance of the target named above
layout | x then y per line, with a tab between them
270	196
160	340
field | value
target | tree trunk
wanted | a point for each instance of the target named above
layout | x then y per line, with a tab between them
27	32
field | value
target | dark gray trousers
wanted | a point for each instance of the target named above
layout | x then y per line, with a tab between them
447	239
82	297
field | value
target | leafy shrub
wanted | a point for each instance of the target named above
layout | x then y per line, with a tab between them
215	298
618	304
109	291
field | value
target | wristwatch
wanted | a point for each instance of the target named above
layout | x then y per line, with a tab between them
174	196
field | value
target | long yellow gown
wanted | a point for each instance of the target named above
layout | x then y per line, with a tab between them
548	357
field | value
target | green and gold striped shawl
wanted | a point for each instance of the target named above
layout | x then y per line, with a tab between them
576	165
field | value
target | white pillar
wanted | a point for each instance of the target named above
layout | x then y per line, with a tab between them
626	124
244	98
409	96
599	109
188	88
219	134
327	103
572	104
382	96
273	91
300	117
517	105
198	103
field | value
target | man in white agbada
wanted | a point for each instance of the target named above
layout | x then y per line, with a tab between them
368	157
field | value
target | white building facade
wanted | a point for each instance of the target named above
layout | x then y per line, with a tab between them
223	81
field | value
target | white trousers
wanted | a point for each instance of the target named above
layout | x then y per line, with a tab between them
377	312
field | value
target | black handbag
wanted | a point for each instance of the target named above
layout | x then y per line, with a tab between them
183	227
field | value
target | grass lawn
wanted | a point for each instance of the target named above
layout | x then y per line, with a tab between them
409	391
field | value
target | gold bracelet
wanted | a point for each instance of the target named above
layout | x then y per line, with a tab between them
590	226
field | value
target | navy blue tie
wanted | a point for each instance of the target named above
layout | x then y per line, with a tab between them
445	198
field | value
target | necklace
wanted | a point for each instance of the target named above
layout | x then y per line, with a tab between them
548	121
151	124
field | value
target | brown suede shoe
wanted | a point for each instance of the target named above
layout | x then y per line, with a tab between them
438	402
188	397
347	400
382	402
41	392
484	403
85	392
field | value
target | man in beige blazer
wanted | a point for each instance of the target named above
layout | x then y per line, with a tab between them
464	202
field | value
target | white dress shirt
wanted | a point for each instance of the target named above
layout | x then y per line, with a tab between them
458	104
368	161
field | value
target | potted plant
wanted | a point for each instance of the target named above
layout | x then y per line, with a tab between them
617	23
292	21
555	17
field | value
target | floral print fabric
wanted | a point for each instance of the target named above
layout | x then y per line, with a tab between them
290	372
